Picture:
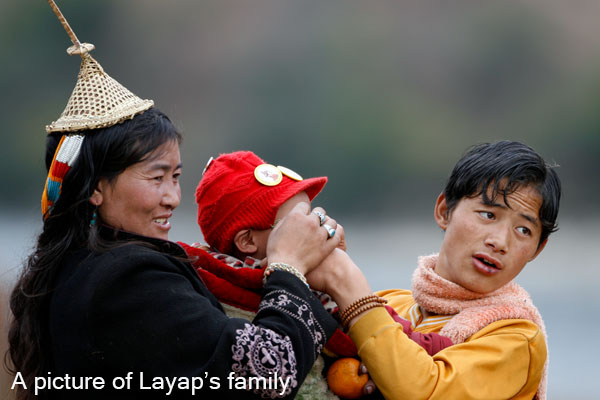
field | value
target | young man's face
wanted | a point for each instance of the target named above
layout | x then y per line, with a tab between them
486	246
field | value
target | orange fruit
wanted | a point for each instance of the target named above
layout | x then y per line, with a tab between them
344	380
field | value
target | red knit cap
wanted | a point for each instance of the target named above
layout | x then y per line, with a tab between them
230	198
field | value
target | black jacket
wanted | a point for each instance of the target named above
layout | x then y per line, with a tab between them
143	311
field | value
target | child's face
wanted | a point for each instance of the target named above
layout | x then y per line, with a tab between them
261	237
477	234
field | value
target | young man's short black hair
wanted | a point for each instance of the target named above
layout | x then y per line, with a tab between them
504	167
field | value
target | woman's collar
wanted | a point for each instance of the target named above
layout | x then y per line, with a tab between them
110	233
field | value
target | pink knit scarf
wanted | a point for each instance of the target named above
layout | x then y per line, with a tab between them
472	311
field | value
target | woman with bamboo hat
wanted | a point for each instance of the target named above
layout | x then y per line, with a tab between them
107	307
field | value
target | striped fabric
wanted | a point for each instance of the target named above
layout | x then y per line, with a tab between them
417	321
65	156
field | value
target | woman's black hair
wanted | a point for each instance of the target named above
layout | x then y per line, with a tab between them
504	167
105	153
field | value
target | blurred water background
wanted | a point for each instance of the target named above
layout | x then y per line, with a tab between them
381	96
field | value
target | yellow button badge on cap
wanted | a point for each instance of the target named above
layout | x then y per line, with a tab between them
268	175
289	173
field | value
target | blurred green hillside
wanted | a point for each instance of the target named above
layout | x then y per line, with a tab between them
381	96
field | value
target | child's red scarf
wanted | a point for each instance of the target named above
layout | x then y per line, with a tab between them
472	311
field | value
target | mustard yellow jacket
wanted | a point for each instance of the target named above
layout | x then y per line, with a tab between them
504	360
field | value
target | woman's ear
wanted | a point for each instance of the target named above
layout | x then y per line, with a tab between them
440	212
244	242
96	198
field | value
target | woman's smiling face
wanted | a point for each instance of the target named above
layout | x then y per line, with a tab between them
142	198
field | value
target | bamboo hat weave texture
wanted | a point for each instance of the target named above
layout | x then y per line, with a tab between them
98	101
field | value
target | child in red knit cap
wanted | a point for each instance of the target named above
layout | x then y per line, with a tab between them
239	199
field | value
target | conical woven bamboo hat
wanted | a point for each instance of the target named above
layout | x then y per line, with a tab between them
98	101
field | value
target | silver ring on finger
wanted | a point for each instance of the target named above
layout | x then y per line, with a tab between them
321	217
330	230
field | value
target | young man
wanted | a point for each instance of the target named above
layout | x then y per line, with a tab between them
499	206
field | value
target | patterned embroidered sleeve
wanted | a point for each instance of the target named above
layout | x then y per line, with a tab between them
299	328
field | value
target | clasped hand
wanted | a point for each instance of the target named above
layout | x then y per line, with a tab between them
300	239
